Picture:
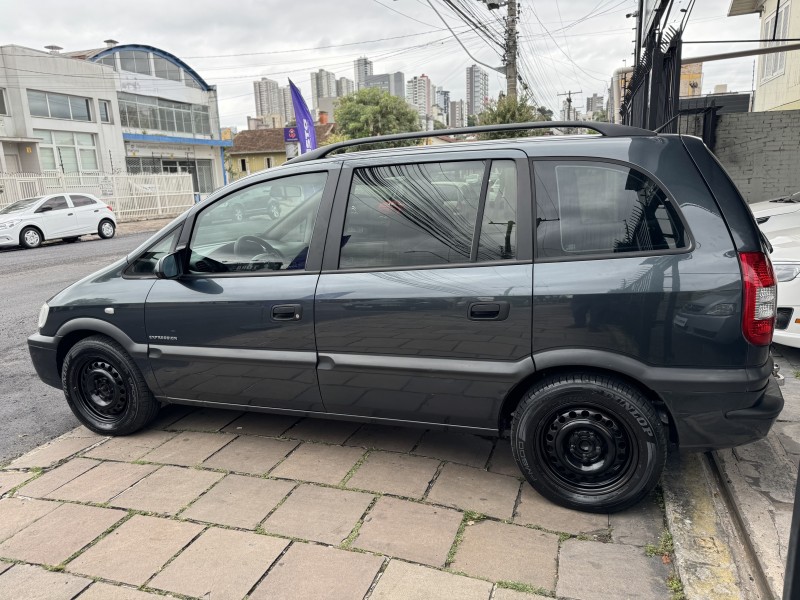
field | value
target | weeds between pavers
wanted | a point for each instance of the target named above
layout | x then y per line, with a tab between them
525	588
469	518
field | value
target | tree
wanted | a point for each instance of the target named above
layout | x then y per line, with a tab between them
438	125
472	120
372	111
507	110
545	113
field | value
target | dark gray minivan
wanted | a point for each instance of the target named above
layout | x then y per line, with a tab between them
594	296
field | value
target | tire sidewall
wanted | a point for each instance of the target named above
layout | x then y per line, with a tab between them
100	229
70	381
645	436
23	242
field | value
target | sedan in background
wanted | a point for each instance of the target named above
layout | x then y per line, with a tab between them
785	259
31	221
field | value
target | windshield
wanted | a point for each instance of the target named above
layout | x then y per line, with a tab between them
19	206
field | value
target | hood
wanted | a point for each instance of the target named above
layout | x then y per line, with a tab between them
785	245
777	206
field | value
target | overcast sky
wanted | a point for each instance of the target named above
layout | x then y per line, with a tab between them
233	43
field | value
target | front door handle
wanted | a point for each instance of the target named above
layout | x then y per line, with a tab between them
489	311
70	214
287	312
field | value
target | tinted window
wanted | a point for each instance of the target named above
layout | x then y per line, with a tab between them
245	232
82	201
407	215
499	226
146	263
57	203
585	208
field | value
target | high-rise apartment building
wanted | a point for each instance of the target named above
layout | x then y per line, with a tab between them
266	92
477	90
419	94
394	83
455	114
344	86
323	85
285	106
363	69
594	104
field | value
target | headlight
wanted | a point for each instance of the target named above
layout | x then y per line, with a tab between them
786	272
43	312
9	224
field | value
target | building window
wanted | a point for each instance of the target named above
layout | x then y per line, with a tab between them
243	165
58	106
105	111
189	81
135	61
773	65
268	162
3	105
110	60
67	151
145	112
166	69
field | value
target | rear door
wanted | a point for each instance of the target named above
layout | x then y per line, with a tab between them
238	327
58	218
88	212
423	308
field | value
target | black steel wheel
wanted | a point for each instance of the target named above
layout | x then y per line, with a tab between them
105	389
589	442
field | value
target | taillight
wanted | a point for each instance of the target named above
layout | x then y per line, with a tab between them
760	297
109	207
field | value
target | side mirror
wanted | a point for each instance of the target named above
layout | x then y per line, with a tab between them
168	267
44	209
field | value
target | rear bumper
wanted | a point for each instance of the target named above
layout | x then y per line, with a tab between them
45	359
699	430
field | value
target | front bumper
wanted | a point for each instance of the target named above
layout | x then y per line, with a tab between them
728	428
44	356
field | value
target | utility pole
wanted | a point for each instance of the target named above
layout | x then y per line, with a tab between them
569	103
511	50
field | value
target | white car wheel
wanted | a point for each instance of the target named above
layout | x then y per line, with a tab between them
31	238
107	229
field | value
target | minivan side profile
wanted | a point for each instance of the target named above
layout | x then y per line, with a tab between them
595	297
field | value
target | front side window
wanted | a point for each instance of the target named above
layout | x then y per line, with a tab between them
261	228
408	215
586	208
56	203
145	265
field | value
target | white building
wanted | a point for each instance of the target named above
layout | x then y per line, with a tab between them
363	69
455	116
477	90
778	74
57	114
419	94
594	104
344	86
168	113
285	105
266	92
323	85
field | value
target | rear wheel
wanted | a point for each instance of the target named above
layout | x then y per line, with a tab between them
105	389
30	237
589	442
106	229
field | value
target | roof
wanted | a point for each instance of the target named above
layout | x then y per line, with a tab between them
745	7
254	141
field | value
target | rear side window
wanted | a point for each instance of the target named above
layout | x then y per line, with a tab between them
81	201
410	215
586	208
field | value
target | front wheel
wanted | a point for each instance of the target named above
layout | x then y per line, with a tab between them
588	442
30	237
105	389
106	229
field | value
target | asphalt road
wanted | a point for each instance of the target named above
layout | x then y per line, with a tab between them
31	412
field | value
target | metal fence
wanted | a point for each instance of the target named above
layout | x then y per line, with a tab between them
132	196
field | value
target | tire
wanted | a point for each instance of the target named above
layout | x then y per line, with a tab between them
30	237
105	389
588	442
106	229
71	240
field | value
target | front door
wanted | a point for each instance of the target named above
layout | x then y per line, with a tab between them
58	218
424	305
238	327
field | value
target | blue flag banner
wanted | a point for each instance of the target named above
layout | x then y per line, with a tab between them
305	122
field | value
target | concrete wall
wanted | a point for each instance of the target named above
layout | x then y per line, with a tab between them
761	152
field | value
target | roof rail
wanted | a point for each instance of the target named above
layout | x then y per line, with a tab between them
605	129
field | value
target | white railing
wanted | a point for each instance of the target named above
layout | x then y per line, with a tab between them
132	196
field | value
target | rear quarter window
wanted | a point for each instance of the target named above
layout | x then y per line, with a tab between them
595	208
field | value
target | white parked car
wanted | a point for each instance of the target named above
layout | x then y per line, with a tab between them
785	259
778	213
31	221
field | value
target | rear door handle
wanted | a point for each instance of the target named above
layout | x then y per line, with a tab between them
489	311
287	312
70	214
